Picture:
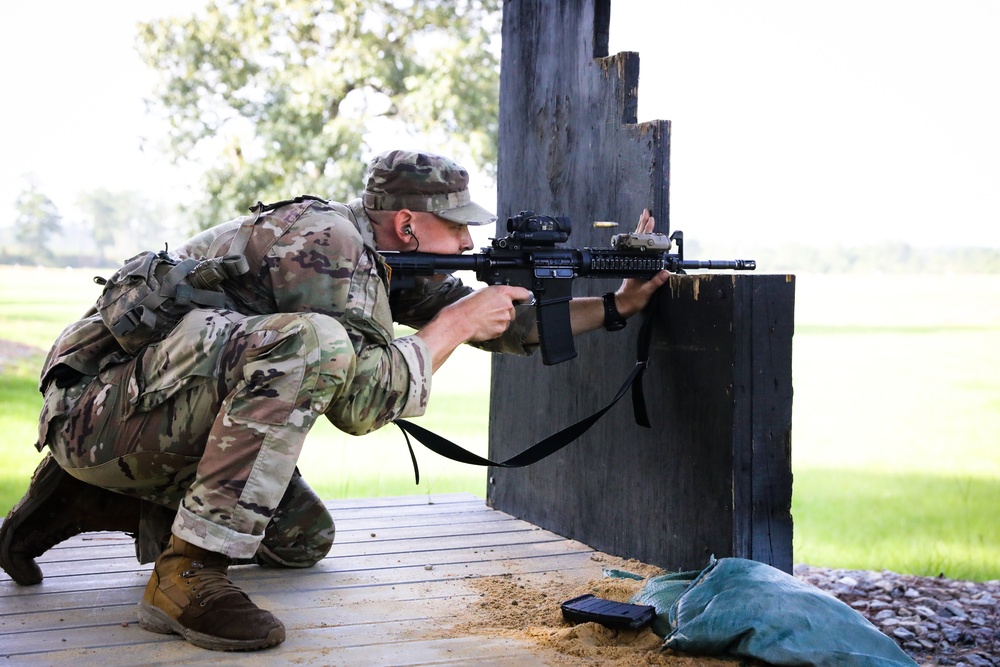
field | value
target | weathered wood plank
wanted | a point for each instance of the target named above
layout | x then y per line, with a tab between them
316	649
354	618
75	581
713	475
113	547
374	541
769	431
369	602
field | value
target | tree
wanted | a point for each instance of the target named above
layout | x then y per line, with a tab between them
276	97
38	221
118	220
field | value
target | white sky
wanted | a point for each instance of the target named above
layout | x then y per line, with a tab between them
826	122
795	120
73	90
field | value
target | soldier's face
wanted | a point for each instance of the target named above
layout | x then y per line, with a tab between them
440	236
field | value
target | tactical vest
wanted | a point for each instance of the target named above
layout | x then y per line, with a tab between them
145	299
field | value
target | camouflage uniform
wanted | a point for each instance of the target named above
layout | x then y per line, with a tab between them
211	420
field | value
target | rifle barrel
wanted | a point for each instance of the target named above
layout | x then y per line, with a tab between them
718	264
603	263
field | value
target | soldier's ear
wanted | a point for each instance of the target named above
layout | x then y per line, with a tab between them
402	225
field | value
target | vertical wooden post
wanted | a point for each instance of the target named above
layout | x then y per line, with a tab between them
713	474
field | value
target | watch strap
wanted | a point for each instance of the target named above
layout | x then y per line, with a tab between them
613	320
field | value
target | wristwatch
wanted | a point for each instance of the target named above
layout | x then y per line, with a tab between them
613	320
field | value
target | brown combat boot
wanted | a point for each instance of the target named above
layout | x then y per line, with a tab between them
189	594
56	507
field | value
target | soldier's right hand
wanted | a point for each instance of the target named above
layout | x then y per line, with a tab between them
480	316
488	312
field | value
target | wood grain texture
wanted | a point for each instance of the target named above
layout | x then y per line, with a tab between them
713	475
398	578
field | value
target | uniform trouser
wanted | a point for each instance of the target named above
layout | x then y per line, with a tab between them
211	421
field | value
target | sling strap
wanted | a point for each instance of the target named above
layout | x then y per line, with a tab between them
556	441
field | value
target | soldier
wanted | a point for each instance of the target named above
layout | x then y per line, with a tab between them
191	444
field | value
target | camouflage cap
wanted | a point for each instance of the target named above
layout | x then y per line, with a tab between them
422	182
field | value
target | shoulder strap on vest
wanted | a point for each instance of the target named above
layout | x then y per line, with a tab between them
214	269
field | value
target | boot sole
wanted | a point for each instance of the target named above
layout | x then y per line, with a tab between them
45	480
155	620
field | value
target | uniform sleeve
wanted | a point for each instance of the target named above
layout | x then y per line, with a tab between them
321	265
416	307
512	340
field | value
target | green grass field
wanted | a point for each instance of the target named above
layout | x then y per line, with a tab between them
896	418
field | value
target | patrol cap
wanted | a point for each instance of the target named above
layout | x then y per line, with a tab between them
425	182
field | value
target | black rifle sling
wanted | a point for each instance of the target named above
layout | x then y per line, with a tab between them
556	441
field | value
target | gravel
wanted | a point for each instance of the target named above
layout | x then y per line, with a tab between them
936	621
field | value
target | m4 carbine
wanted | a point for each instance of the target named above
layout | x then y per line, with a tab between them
529	257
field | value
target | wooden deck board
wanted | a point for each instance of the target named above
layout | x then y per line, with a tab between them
396	580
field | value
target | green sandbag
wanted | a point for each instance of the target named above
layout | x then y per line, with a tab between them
743	608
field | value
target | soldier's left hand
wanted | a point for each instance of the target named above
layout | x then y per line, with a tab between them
634	294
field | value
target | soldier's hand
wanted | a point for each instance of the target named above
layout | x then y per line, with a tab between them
480	316
634	294
489	311
646	223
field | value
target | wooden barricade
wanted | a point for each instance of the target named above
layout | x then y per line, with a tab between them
713	474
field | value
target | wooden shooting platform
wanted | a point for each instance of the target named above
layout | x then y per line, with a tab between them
713	475
401	577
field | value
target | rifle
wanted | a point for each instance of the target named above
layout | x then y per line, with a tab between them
529	257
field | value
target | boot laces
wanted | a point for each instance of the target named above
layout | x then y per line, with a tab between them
209	583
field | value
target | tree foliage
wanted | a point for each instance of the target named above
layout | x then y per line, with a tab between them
118	219
275	97
38	221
